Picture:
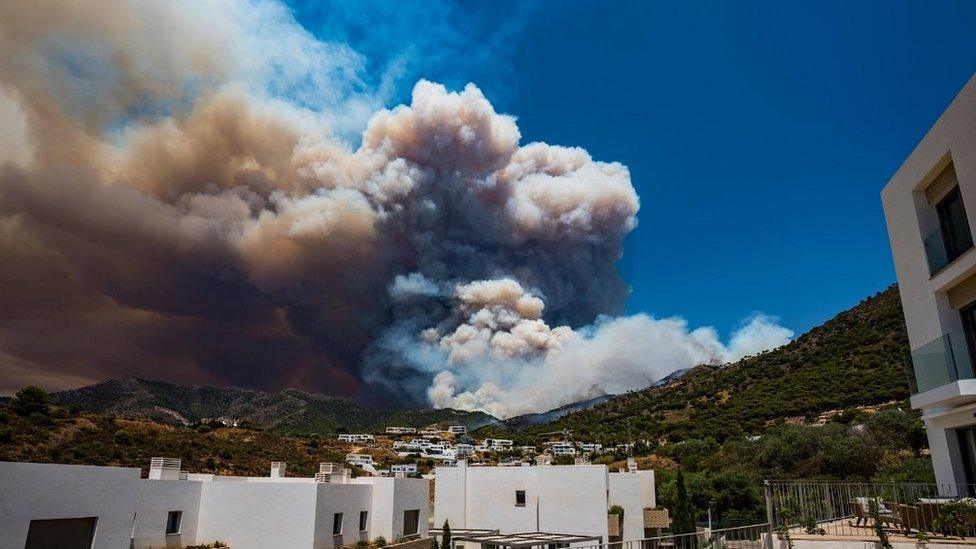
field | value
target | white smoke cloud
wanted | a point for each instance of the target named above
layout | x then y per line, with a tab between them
503	360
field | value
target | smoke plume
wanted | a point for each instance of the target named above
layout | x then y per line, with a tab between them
180	198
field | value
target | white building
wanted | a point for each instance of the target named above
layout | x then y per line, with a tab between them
527	450
463	450
458	429
404	468
400	430
498	444
589	447
563	449
357	438
930	208
359	460
106	507
566	499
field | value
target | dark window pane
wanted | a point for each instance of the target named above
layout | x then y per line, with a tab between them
362	520
954	225
336	524
173	522
520	498
411	519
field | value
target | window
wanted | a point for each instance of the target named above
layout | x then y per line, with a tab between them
411	519
954	225
70	532
363	517
337	524
520	498
173	521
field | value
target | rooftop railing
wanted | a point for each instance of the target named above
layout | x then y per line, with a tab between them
755	536
903	512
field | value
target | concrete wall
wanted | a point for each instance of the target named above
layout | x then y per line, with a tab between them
255	515
30	491
633	492
155	500
348	499
566	499
925	298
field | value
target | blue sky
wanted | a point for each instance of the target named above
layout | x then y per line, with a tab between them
758	134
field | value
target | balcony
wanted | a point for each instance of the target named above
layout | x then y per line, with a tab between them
931	365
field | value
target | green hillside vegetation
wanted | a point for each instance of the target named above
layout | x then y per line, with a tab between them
854	359
289	410
54	434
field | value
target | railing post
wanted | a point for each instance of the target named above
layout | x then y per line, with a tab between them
768	489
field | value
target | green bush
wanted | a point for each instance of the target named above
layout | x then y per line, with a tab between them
30	400
6	435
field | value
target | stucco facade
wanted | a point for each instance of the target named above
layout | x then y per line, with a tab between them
571	499
246	512
937	286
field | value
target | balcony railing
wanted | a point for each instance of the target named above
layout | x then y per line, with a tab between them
846	511
936	251
932	365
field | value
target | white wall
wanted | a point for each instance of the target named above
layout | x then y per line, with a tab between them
30	491
348	499
924	297
155	500
633	492
569	499
391	497
256	515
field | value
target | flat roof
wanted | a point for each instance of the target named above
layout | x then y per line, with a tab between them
525	539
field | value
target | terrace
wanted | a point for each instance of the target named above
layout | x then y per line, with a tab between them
825	511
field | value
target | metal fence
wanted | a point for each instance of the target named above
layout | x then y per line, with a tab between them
812	508
754	536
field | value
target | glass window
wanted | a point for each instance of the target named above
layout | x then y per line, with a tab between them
520	498
336	524
173	521
954	225
363	518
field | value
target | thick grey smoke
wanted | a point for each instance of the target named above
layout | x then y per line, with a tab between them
178	199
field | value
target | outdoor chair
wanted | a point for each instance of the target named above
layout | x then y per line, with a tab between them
913	518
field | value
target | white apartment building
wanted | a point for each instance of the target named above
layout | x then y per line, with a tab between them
359	460
565	499
357	438
563	449
498	444
930	208
401	430
590	447
404	468
458	429
110	507
463	450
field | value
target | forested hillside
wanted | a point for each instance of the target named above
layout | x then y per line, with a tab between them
856	358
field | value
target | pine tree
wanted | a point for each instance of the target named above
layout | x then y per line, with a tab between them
684	515
446	538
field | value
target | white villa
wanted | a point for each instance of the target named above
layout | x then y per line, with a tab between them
48	505
930	208
566	499
401	430
357	438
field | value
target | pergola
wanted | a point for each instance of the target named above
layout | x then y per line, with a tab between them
524	539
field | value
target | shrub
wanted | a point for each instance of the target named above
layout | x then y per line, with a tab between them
380	541
123	437
40	418
6	435
30	400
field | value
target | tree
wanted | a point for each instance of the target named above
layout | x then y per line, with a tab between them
29	400
684	515
446	536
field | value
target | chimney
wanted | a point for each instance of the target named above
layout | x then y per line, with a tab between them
161	468
631	465
278	469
